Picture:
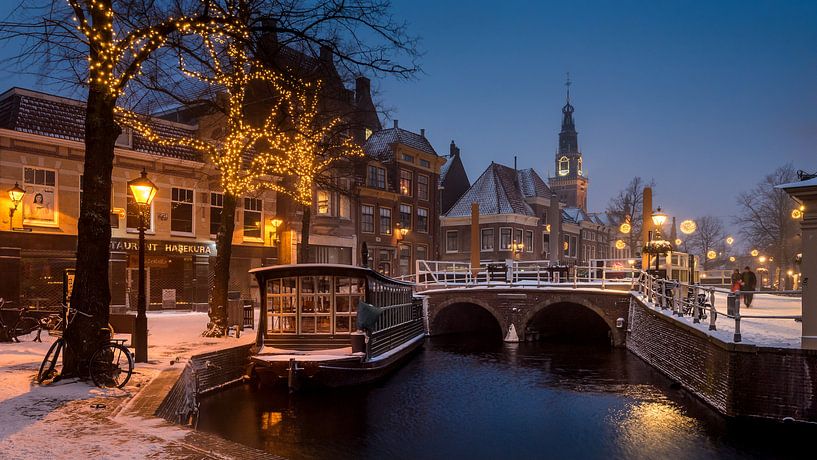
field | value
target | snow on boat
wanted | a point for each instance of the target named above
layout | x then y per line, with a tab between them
333	325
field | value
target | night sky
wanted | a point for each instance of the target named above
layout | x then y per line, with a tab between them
704	97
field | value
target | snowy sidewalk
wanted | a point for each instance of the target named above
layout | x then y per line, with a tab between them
74	419
762	332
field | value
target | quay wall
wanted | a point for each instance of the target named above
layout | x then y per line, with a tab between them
202	374
738	380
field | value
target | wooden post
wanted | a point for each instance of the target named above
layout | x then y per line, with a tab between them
646	225
475	243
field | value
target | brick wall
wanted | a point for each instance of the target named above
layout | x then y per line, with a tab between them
736	379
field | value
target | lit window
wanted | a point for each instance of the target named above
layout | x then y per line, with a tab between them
405	182
385	221
252	218
580	167
564	166
368	133
324	208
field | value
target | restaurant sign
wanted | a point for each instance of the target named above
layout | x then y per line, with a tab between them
164	247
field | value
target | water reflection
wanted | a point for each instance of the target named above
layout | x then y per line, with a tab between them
475	398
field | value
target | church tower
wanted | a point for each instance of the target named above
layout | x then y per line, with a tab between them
569	183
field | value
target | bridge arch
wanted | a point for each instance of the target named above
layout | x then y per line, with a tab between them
572	316
464	314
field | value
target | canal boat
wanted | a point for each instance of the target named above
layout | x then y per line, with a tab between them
333	325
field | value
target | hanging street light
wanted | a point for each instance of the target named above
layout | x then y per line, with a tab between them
730	240
688	227
143	191
16	195
754	252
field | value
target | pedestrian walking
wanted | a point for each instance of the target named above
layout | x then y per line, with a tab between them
736	279
748	284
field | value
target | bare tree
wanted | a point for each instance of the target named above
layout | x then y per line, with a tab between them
627	207
100	45
709	236
765	219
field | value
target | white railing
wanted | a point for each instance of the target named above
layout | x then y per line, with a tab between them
706	303
443	274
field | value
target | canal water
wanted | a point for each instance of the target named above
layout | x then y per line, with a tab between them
467	398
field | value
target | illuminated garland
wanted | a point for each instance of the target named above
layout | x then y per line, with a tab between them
113	61
303	149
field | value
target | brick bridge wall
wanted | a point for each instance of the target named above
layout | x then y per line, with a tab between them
500	302
736	379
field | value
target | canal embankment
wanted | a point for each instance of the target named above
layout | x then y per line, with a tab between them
737	379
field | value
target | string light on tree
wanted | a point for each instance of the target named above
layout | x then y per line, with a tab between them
688	227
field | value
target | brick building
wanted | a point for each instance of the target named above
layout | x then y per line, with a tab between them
398	200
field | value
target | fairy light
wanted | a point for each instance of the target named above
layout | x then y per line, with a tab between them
304	149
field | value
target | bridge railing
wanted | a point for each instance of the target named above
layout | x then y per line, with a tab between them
445	274
711	304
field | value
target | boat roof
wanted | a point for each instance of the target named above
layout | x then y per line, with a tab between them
318	269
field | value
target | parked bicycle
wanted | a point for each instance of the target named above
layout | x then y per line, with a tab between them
111	365
17	323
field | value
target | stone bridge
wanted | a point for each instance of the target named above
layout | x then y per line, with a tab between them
529	313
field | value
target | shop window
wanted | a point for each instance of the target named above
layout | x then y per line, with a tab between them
406	179
422	187
385	221
252	219
367	219
422	220
216	205
451	241
40	200
405	216
486	239
181	210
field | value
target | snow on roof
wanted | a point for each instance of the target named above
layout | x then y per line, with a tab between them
533	185
799	184
497	191
379	143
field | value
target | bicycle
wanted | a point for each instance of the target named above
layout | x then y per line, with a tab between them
21	325
111	365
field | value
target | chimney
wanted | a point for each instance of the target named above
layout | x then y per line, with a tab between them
514	163
423	132
395	124
454	151
363	88
326	53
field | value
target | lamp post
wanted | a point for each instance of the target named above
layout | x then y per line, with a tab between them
274	238
143	191
16	195
658	219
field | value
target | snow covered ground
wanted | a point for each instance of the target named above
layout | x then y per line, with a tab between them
767	332
74	419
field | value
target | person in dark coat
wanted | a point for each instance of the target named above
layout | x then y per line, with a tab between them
736	280
748	283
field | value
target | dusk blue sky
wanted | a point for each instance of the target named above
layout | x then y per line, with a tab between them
704	97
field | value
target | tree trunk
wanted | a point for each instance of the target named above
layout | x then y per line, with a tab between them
91	294
224	248
303	251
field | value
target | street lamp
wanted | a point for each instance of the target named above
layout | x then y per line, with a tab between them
274	238
16	195
143	191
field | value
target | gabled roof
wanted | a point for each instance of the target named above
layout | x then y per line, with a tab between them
378	144
53	116
497	191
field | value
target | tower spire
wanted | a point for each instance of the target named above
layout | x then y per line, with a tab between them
567	84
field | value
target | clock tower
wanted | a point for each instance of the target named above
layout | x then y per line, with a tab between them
569	183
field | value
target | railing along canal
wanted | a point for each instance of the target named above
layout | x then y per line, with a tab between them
700	302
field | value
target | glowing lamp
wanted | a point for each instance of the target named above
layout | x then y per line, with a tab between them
761	259
731	258
729	240
16	194
790	272
143	189
796	213
625	228
754	252
620	244
711	255
631	261
678	241
658	217
276	223
547	228
404	232
688	226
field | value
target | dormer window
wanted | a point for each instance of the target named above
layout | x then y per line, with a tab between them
564	166
580	167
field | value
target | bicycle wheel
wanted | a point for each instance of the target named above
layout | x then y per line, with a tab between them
26	325
51	368
111	366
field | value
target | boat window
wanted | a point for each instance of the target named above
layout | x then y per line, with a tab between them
348	293
281	313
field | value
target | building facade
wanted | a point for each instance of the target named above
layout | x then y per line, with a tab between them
42	150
